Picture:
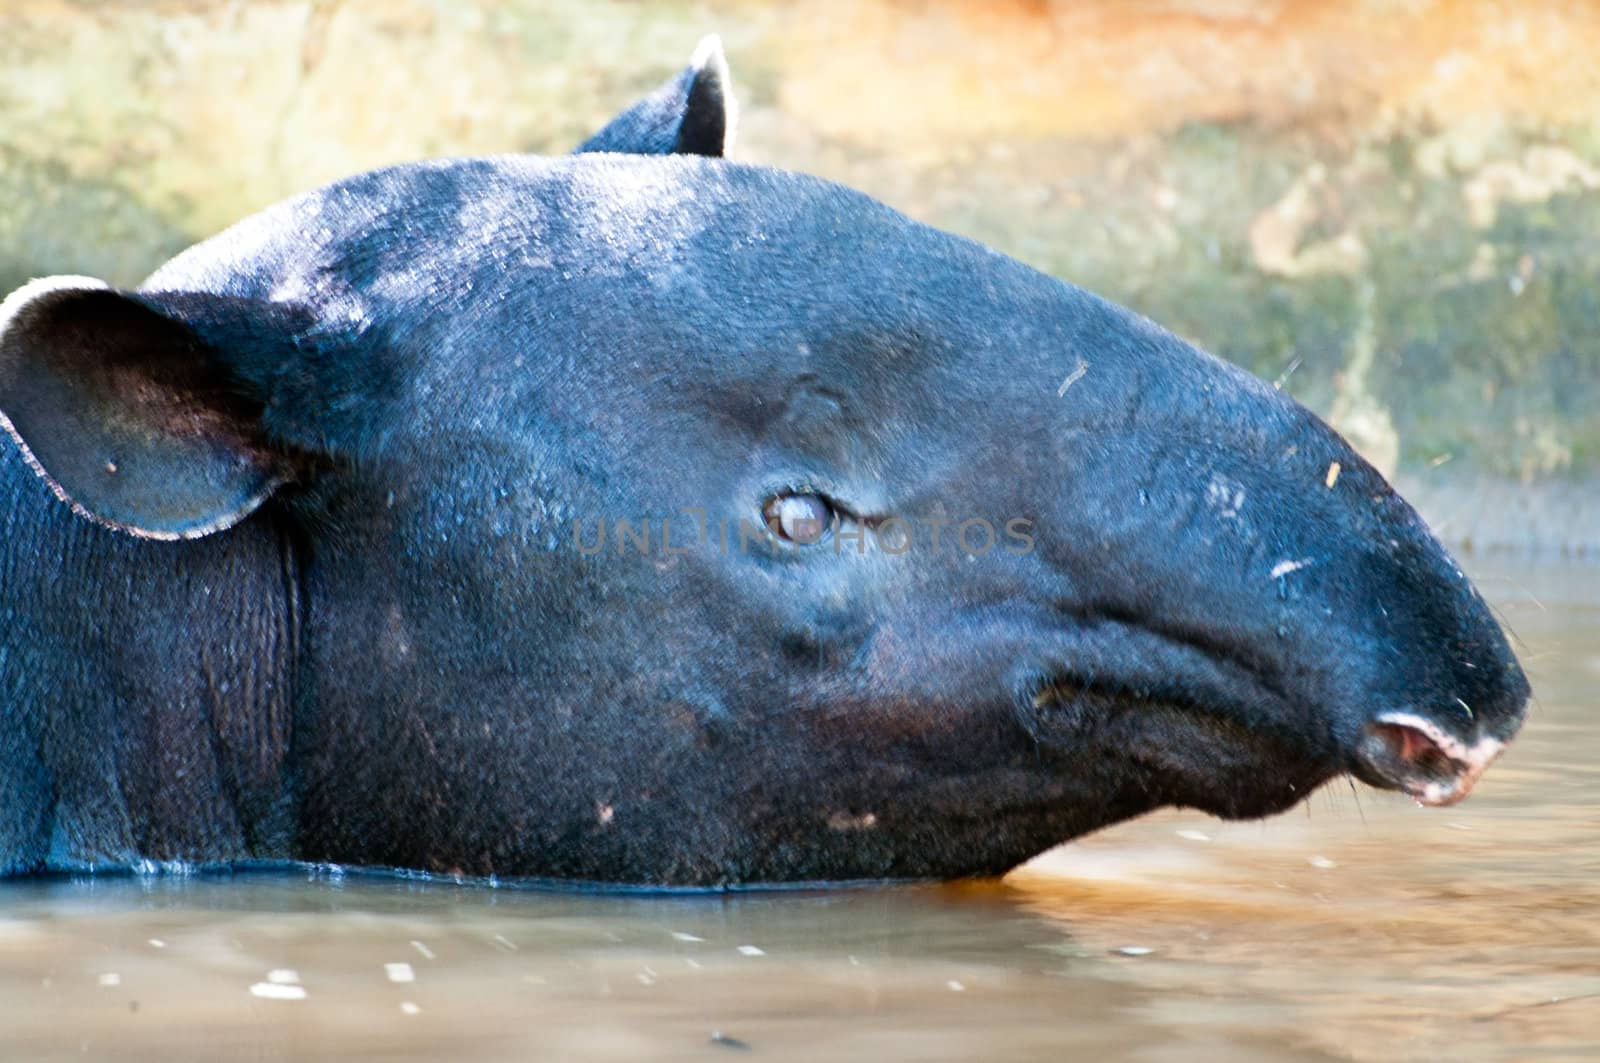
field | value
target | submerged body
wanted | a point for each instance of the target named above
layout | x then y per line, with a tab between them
622	517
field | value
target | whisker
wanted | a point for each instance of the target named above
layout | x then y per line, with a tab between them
1543	655
1518	585
1506	623
1357	795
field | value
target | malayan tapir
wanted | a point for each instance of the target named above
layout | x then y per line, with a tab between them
640	516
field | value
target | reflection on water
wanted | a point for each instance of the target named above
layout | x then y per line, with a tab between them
1361	927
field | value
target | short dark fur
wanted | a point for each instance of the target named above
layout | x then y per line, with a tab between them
402	658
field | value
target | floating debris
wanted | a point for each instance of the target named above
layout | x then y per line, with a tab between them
1194	835
111	979
399	972
955	986
283	976
275	991
720	1038
157	943
424	951
1132	950
408	1008
504	942
751	950
1322	862
679	935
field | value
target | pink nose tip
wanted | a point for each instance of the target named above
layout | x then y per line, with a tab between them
1415	755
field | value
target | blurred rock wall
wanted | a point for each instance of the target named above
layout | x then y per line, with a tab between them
1389	207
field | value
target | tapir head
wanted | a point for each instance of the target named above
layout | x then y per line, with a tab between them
667	519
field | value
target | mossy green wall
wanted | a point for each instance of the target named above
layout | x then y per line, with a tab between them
1391	208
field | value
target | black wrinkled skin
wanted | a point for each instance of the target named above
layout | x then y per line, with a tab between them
402	659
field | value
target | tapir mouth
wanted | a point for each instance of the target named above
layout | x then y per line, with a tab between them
1405	752
1223	728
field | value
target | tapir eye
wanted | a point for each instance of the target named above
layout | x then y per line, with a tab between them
798	518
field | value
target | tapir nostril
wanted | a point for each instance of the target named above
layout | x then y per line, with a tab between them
1410	747
1411	753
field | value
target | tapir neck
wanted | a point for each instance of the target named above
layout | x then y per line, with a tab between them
147	689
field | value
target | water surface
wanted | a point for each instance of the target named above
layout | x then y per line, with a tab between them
1358	927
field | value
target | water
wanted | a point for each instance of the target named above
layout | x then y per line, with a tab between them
1361	927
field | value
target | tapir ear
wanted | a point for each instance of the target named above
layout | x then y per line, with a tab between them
692	114
132	419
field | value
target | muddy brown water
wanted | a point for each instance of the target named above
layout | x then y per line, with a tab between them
1359	927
